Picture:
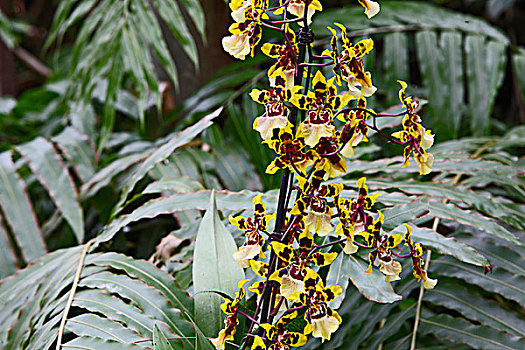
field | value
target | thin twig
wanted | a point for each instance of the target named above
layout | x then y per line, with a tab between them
32	62
72	293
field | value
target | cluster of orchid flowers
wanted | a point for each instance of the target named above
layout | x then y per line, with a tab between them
289	287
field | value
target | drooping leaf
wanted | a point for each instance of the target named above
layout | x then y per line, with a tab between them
163	152
446	245
213	270
508	284
8	261
18	211
77	150
91	325
450	211
475	307
463	332
147	272
183	201
52	173
94	343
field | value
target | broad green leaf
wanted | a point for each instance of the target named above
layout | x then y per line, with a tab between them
94	343
485	69
499	252
483	203
91	325
52	173
371	285
400	214
213	270
184	201
18	211
506	283
452	212
338	274
104	176
475	307
445	245
404	15
148	273
97	301
146	297
8	261
441	67
395	60
463	332
391	326
163	152
160	342
182	184
518	61
77	150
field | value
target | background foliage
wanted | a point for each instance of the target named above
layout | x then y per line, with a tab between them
109	149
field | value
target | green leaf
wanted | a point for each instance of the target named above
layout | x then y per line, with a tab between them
171	13
104	176
94	343
485	70
213	269
395	60
463	332
146	297
391	326
182	184
52	173
18	211
446	245
147	272
518	62
163	152
371	285
475	307
92	325
98	301
184	201
160	342
338	274
8	261
452	212
77	150
201	342
508	284
483	203
441	68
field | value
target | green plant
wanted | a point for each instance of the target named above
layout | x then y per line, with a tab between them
135	190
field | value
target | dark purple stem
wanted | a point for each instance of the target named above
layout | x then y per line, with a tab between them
286	21
248	316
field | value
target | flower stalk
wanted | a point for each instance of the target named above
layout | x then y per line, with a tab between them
299	125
